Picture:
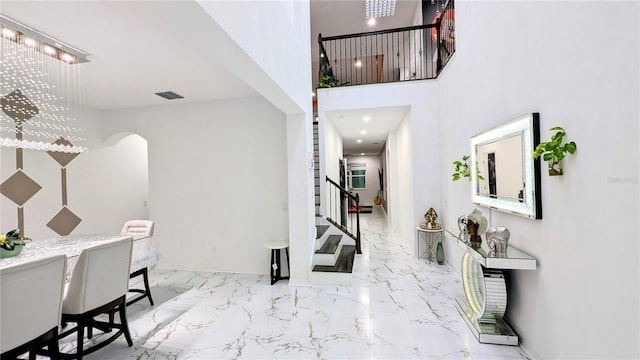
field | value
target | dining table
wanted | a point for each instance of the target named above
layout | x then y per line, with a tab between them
144	253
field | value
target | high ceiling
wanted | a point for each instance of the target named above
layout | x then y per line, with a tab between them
138	48
342	17
348	17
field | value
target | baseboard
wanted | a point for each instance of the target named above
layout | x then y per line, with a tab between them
175	267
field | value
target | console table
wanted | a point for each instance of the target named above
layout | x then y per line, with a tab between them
485	290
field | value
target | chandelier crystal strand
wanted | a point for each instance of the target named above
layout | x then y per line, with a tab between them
41	95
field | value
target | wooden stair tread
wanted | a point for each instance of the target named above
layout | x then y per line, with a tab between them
344	263
331	245
321	230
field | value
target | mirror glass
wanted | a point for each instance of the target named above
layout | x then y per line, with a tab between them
508	179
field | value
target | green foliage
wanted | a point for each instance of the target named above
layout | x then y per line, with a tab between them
554	150
462	170
328	81
11	239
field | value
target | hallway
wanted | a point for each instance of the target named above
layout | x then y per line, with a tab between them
398	307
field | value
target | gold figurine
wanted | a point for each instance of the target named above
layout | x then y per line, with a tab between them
430	218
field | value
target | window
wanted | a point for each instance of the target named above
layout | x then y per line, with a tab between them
357	176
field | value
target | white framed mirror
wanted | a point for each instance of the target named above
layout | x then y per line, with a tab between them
508	179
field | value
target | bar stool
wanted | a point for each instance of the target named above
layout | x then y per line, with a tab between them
276	247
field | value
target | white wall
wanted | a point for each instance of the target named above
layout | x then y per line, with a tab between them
372	181
105	186
275	36
116	180
218	181
401	181
331	151
384	166
267	45
393	184
582	73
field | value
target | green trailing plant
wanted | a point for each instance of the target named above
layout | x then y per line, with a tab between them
554	150
461	169
328	81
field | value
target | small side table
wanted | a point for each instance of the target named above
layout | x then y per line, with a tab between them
276	247
431	237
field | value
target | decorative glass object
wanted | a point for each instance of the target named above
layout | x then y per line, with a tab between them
555	167
4	253
440	253
498	240
41	90
462	226
476	226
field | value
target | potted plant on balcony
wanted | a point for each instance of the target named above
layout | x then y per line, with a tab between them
554	151
328	81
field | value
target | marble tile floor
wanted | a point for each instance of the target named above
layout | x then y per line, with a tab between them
398	307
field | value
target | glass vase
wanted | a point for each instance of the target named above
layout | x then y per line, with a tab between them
440	253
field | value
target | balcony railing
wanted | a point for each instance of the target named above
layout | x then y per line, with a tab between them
409	53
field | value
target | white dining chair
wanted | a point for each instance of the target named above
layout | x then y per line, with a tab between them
140	267
30	304
137	227
98	285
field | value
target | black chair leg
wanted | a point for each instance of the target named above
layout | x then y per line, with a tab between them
124	323
288	266
89	329
145	277
80	339
146	292
53	347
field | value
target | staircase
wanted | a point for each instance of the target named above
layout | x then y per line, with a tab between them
334	255
335	250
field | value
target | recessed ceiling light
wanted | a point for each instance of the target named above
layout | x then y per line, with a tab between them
361	153
359	140
372	21
366	118
363	132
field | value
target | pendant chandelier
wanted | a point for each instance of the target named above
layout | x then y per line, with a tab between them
40	90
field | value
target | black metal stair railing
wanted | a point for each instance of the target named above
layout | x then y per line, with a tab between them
409	53
344	211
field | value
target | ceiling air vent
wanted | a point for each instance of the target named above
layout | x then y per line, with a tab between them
169	95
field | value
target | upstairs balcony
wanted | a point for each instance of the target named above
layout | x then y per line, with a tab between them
409	53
